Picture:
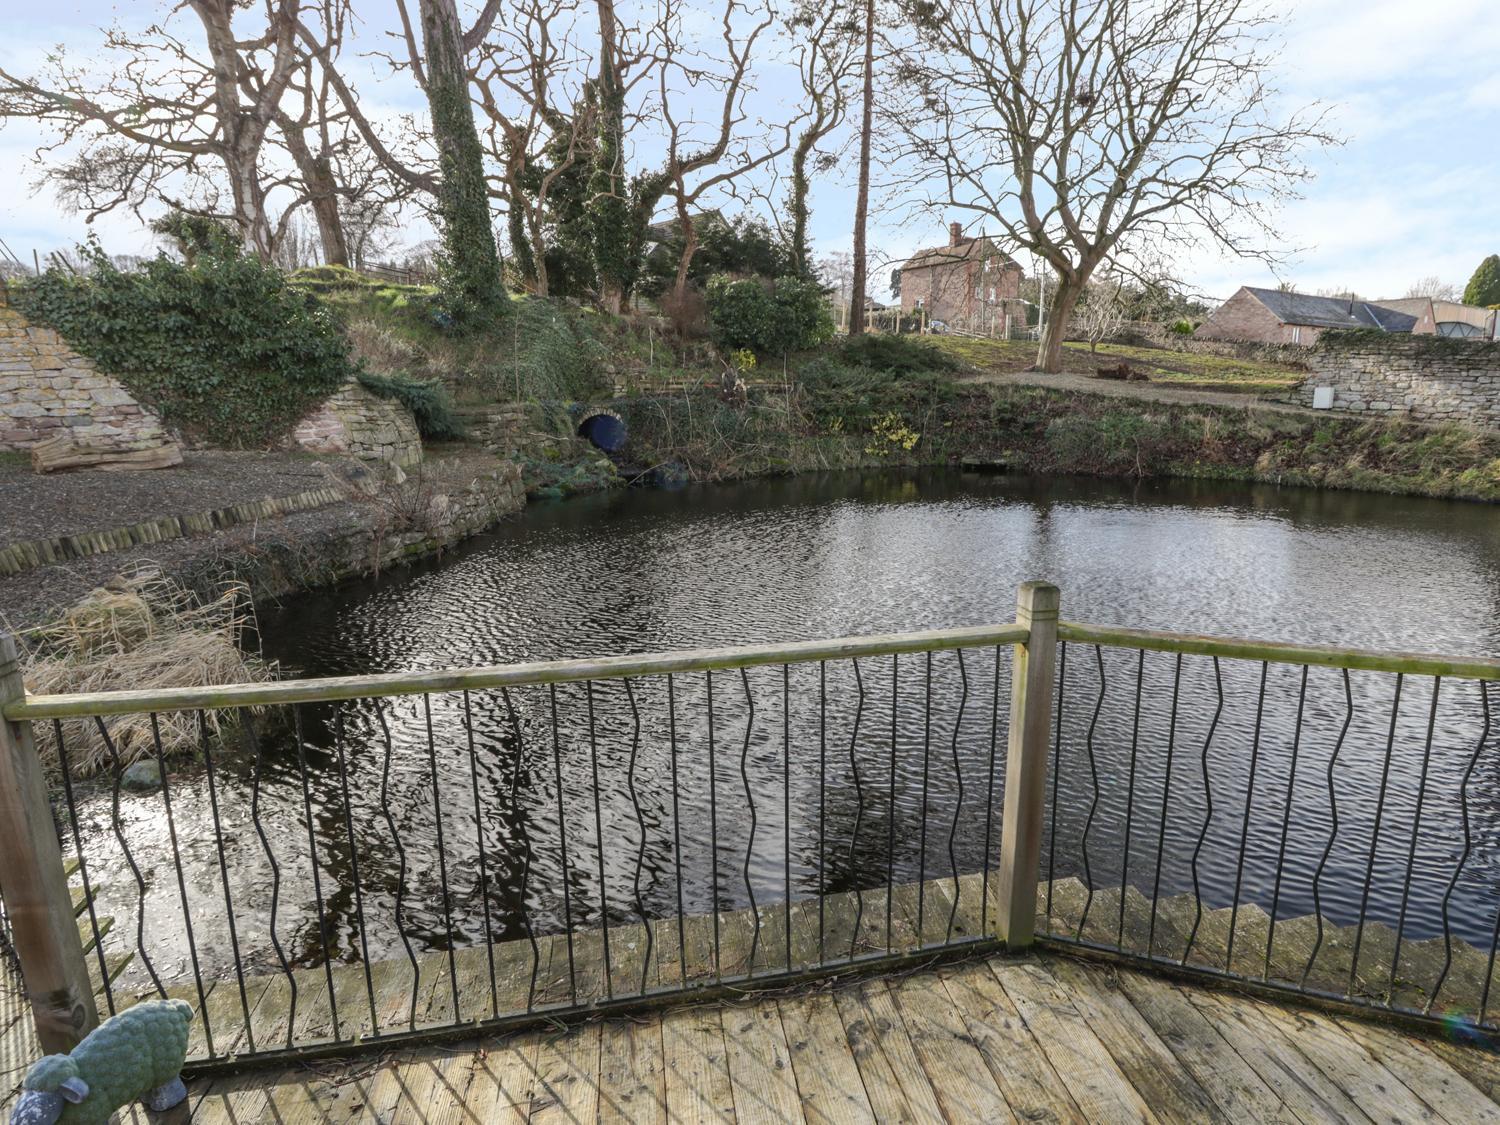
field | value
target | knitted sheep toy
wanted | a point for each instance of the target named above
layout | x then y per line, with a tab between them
137	1054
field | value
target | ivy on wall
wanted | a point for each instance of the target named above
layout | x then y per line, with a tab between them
223	350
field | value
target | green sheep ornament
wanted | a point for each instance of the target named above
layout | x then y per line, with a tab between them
134	1056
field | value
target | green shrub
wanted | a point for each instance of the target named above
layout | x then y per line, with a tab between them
427	399
224	349
791	316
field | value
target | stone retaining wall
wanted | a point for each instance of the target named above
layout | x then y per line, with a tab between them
1428	378
359	422
47	389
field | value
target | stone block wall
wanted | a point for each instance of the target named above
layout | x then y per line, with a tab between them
47	389
1428	378
362	424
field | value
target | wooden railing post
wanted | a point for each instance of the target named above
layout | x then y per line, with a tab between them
35	885
1031	698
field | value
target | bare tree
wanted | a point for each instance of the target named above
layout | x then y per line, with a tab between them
162	122
692	173
1087	128
540	117
862	196
827	60
1434	287
1100	312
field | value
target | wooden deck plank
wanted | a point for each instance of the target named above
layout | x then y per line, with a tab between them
965	1089
1441	1086
697	1070
828	1078
1276	1058
503	1080
760	1067
895	1083
632	1078
1226	1077
1148	1063
1019	1065
1082	1062
567	1076
1349	1065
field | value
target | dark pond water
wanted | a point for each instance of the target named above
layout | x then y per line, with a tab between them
827	779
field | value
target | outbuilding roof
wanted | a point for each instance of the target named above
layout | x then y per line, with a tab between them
1331	312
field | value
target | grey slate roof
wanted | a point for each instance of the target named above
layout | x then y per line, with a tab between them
1331	312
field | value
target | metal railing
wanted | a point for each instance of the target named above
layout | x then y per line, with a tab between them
362	860
1298	817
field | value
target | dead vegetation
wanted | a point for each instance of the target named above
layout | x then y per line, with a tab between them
140	632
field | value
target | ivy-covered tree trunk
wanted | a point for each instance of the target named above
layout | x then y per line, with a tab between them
797	203
862	198
469	263
609	203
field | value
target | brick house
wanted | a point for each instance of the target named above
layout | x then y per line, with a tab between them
969	283
1272	316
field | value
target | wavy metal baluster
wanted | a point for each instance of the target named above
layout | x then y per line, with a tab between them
1208	813
750	801
1088	824
359	898
1057	739
442	856
140	883
1286	822
562	836
640	819
1135	737
1385	777
312	853
484	875
83	867
182	895
859	808
822	802
890	828
385	808
922	834
260	831
1166	793
609	976
1239	871
677	826
1416	828
1463	799
958	801
526	850
989	804
713	824
786	802
1333	829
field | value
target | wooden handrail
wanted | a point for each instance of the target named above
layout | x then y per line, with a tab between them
1326	656
500	675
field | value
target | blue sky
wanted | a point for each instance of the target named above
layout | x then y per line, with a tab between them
1415	191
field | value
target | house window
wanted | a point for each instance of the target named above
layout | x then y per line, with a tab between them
1296	333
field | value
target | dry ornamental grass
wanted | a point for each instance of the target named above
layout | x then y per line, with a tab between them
139	632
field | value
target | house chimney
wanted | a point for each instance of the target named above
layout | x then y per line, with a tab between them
955	234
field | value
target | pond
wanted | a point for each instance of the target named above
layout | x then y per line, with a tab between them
806	793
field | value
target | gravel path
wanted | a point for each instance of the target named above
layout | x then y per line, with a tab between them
1150	392
38	507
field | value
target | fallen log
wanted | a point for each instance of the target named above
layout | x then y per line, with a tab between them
63	453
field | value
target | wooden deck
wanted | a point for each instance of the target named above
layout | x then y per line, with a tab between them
996	1039
1043	1036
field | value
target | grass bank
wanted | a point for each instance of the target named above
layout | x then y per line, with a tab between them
842	414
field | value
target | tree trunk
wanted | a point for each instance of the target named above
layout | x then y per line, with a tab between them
323	196
862	202
608	208
798	202
249	204
1059	313
470	263
685	261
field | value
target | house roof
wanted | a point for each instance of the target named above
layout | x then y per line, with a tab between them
1331	312
1443	312
967	249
